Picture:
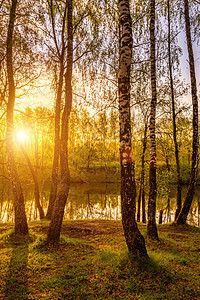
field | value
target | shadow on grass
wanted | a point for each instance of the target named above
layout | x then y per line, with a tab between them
145	269
16	280
41	244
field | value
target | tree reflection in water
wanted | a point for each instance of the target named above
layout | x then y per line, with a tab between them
97	201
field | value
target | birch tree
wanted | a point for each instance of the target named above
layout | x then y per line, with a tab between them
151	226
182	217
134	239
178	172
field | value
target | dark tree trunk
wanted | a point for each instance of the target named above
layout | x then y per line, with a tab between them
139	201
141	195
178	172
21	225
134	239
54	230
198	221
142	175
55	168
168	210
151	227
37	190
182	217
59	205
160	216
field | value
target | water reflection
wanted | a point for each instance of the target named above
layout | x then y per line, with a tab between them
86	202
95	202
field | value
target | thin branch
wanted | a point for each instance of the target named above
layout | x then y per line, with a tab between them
50	3
63	30
31	80
4	177
79	43
80	20
34	117
85	52
3	114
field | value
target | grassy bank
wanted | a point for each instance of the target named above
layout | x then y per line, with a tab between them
92	262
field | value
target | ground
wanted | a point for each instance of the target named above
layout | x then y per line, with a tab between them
86	230
92	262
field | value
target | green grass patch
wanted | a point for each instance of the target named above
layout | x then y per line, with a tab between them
100	267
12	239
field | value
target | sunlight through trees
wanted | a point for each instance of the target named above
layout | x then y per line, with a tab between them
63	122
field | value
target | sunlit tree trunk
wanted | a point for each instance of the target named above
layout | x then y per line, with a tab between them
178	172
134	239
182	217
55	168
59	206
151	227
21	225
64	163
37	190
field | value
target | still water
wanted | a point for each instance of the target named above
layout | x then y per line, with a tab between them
97	201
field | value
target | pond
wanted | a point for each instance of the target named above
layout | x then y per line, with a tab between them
96	201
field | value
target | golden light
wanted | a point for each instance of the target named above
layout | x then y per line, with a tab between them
21	136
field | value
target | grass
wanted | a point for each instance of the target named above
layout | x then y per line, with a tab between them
98	266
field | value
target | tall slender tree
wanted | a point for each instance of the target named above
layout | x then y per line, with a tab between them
178	172
64	164
21	225
141	195
134	239
151	226
182	217
83	18
60	53
59	205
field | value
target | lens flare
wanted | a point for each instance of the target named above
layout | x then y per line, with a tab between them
21	136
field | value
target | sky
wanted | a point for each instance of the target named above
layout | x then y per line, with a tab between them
185	64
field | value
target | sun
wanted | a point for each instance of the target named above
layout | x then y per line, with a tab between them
21	136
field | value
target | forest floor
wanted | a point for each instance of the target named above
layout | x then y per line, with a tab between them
92	262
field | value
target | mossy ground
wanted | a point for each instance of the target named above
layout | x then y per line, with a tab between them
92	262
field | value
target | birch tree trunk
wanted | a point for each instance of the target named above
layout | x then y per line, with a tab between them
59	205
151	226
178	173
134	239
182	217
21	225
